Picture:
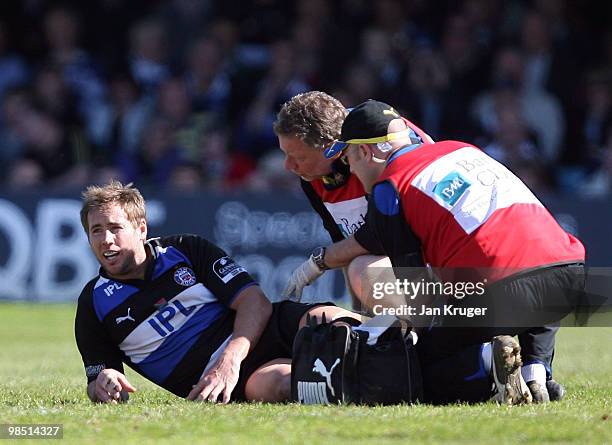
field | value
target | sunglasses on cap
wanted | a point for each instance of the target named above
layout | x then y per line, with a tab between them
339	146
335	148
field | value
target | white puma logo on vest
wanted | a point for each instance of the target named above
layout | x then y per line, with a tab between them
127	317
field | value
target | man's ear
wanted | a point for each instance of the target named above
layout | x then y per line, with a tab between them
364	151
143	229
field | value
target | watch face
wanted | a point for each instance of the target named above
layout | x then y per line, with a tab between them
317	256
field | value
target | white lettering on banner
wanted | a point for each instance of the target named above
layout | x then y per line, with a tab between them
272	278
47	257
55	250
237	226
30	266
15	226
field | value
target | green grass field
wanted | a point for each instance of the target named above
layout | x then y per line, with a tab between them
42	381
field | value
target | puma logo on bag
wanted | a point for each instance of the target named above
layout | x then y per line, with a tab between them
320	368
312	393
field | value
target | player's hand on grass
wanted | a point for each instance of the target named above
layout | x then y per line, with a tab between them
302	276
220	380
111	386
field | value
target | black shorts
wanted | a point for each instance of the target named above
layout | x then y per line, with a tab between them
275	342
533	303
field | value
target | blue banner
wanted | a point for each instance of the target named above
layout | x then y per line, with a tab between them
45	256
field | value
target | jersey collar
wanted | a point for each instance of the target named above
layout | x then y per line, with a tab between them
403	151
338	177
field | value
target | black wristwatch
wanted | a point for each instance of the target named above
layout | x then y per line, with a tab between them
318	256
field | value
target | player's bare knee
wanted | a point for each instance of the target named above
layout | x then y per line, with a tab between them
253	393
355	272
270	383
283	389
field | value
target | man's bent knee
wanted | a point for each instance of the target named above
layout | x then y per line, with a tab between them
366	270
360	269
271	382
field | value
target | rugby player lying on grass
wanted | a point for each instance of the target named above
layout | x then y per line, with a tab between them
178	311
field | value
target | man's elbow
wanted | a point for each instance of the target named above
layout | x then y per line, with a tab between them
252	299
265	305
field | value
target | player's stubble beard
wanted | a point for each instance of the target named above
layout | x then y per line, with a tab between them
128	269
127	265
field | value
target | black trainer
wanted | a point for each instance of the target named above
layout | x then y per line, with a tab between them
556	391
538	392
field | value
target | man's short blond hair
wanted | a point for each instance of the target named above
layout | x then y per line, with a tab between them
313	117
127	196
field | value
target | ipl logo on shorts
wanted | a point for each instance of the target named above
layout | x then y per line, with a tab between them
185	277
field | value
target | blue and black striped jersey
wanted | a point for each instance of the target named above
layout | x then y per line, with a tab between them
169	326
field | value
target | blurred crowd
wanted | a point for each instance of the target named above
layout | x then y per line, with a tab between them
183	93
